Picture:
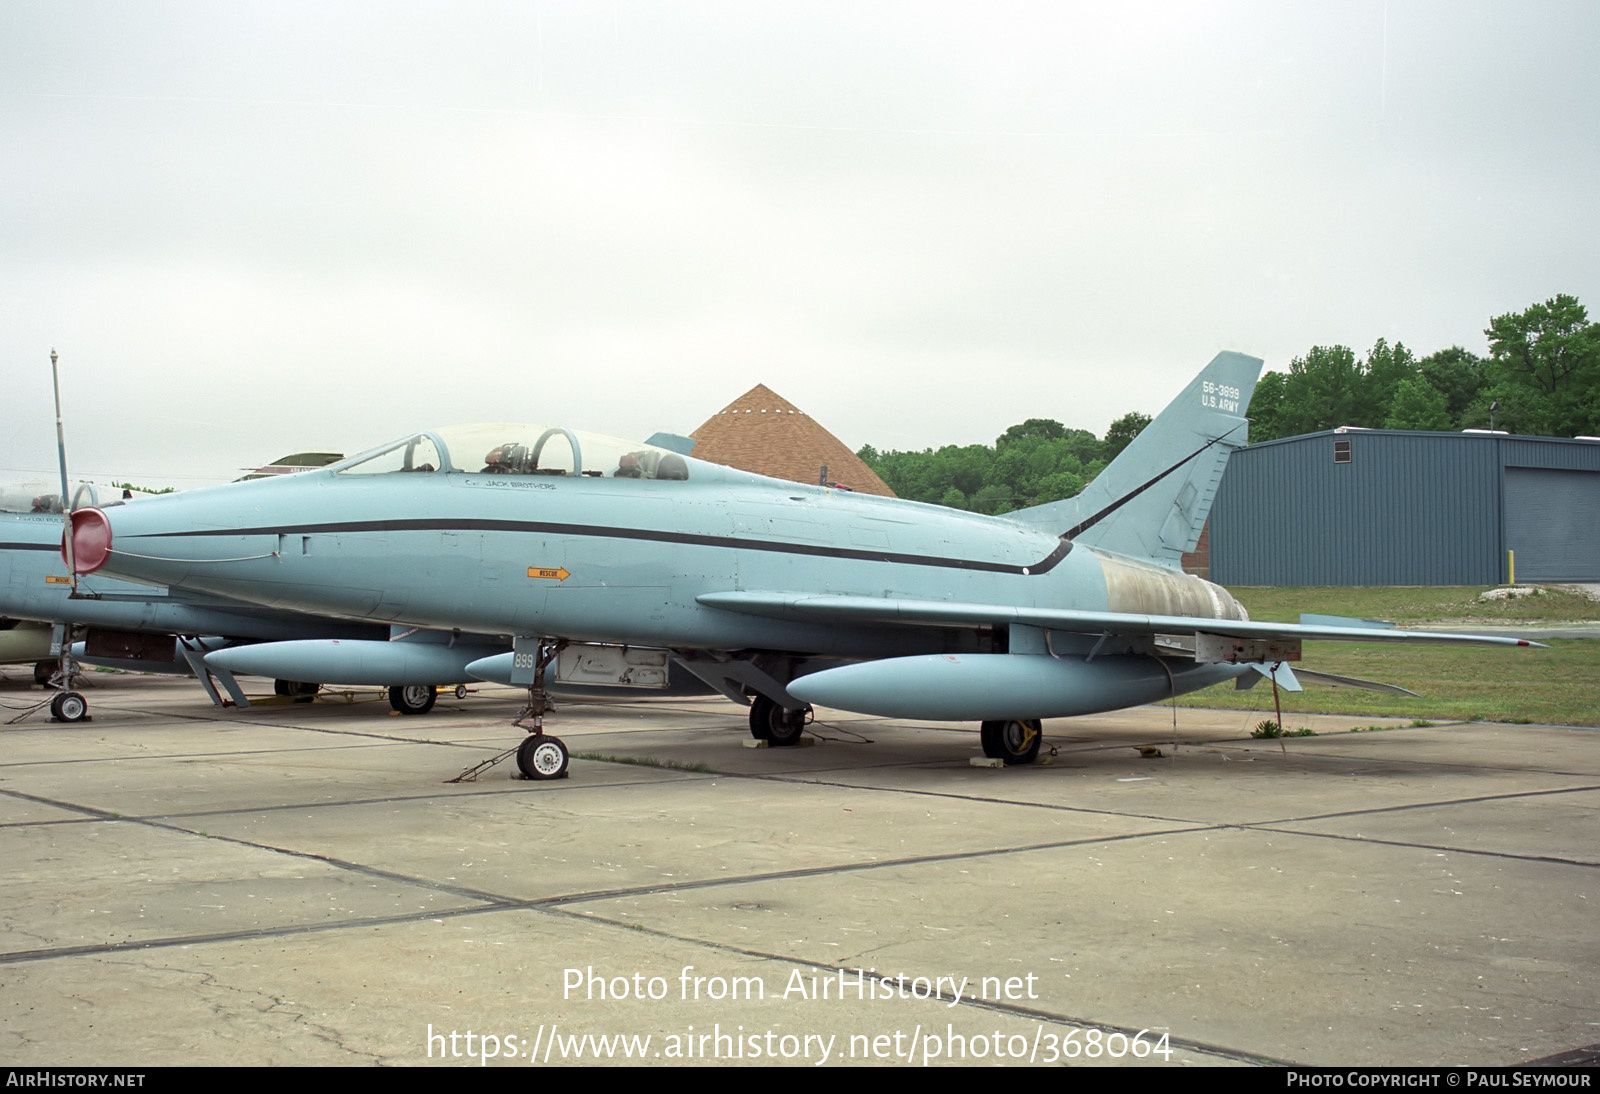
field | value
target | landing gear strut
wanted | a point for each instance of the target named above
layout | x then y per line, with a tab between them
780	728
540	756
1015	741
68	705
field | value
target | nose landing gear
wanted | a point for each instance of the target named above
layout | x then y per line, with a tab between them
69	706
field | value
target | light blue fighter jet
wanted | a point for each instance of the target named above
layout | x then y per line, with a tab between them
779	595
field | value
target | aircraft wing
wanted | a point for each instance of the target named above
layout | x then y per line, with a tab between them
940	613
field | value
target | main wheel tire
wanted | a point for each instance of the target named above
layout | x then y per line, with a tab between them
772	723
543	757
413	698
42	671
69	706
760	712
1015	741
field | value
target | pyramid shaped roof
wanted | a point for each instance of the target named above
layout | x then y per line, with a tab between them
761	431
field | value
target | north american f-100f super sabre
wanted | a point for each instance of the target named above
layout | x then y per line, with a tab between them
776	594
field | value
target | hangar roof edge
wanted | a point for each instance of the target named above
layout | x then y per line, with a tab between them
1474	435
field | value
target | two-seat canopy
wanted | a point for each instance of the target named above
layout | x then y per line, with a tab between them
506	449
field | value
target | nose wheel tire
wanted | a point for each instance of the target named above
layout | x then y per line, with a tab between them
778	727
413	698
1015	741
69	706
543	757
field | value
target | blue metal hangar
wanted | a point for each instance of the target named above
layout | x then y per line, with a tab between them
1357	506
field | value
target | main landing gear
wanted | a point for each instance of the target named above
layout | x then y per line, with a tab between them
297	690
413	698
1015	741
780	728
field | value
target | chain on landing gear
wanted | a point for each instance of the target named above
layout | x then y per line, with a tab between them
539	755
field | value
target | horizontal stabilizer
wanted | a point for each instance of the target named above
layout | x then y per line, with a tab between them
1328	679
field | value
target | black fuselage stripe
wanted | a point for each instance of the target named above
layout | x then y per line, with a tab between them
425	524
1135	492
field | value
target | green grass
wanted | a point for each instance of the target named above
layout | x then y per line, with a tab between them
1270	730
1410	605
1267	730
1555	686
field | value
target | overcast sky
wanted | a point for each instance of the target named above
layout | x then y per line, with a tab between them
254	227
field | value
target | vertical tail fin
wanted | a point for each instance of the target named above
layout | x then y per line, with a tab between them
1153	499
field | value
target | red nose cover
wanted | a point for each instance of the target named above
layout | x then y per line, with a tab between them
91	540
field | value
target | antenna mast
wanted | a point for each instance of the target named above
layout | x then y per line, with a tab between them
61	458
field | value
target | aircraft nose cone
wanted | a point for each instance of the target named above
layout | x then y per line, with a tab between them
91	541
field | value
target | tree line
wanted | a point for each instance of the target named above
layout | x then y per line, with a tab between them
1036	461
1541	377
